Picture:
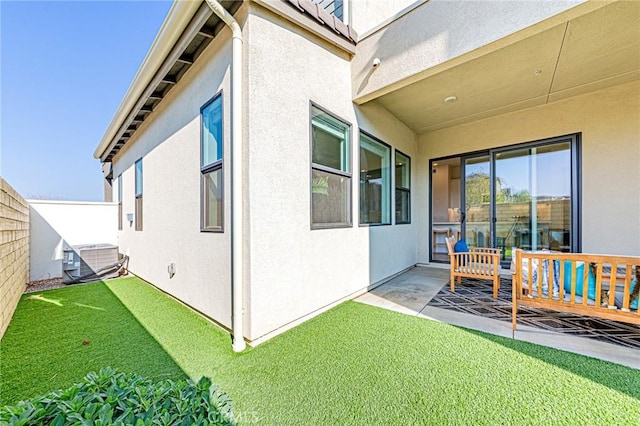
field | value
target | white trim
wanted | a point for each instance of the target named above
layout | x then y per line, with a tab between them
237	209
82	203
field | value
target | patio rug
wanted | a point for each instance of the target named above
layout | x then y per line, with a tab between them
475	297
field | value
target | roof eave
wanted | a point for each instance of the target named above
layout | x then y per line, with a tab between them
177	19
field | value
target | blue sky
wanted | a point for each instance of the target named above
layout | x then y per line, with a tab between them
65	67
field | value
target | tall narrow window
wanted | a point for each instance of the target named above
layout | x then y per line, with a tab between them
403	188
211	165
375	181
330	171
139	195
120	202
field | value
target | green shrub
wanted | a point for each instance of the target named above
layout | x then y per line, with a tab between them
110	397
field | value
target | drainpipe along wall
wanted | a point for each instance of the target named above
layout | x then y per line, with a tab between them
236	175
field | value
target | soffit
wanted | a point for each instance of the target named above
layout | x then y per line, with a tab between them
600	45
202	29
591	52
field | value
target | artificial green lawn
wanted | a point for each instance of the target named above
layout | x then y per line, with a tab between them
353	364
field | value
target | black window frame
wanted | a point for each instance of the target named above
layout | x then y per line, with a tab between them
120	213
406	190
330	170
575	140
138	194
390	184
215	166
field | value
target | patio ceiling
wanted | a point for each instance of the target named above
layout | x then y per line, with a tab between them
591	52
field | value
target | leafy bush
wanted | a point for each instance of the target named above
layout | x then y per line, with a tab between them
110	397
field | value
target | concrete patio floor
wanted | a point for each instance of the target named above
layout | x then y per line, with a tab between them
410	293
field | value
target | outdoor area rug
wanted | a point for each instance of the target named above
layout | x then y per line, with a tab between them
475	297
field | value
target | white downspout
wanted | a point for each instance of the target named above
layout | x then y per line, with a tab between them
236	175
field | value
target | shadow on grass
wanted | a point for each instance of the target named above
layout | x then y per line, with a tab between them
613	376
195	344
50	346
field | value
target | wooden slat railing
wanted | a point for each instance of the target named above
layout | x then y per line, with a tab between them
481	263
612	275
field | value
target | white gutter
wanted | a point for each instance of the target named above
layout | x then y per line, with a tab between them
236	175
177	19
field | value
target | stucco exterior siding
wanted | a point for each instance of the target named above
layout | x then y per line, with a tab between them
440	34
169	144
296	271
609	122
366	14
292	272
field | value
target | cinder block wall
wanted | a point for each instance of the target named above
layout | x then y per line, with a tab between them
14	251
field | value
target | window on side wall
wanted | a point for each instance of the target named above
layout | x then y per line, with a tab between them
403	188
375	181
330	170
120	202
211	184
138	192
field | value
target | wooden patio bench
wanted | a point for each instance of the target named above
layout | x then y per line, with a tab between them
610	279
480	263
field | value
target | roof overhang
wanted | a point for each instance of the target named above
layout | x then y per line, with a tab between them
187	30
589	47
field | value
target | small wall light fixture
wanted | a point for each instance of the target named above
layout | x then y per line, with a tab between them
450	99
130	218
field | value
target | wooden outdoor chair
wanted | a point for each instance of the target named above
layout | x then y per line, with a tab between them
480	262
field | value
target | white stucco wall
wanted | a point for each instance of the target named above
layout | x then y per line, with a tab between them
439	31
609	121
57	225
294	270
366	14
169	144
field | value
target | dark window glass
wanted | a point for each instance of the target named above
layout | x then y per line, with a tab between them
375	182
138	194
211	142
330	171
403	188
119	202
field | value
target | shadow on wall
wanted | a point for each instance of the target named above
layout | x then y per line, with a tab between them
47	248
59	225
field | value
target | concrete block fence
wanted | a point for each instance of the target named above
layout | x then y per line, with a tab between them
14	251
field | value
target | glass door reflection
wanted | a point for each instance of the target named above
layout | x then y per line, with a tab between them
533	198
445	202
477	201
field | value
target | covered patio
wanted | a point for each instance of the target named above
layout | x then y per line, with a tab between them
423	291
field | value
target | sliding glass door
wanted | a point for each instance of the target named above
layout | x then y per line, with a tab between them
524	196
533	198
476	192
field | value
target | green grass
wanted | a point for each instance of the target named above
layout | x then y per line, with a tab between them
43	348
355	364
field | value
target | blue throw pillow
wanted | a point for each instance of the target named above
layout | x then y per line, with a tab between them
460	247
633	305
632	287
591	284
